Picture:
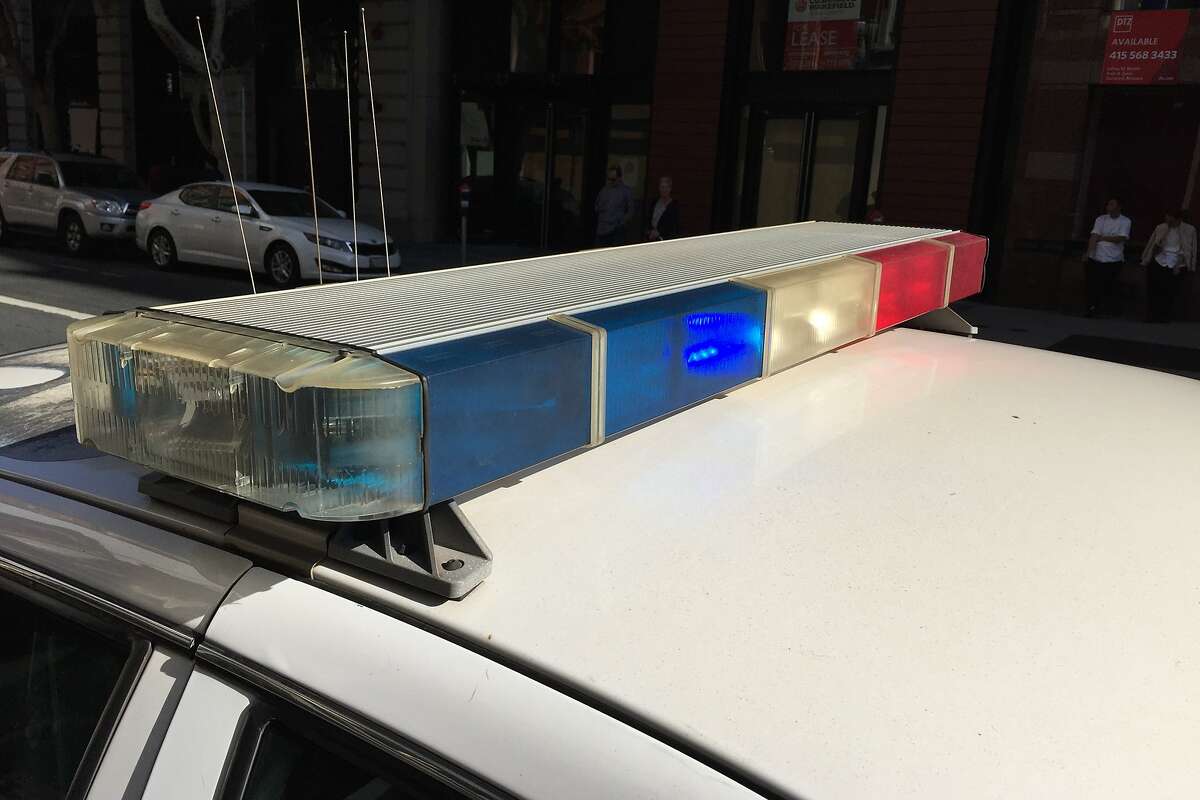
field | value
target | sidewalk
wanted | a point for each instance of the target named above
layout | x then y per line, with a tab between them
1173	347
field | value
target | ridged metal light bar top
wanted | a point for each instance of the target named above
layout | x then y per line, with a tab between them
388	314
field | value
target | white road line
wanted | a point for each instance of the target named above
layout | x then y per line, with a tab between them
62	312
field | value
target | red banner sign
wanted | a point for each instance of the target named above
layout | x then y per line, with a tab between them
822	34
1143	46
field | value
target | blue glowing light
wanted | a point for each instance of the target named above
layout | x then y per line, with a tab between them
669	352
702	353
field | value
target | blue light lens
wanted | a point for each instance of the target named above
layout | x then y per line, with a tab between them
669	352
500	402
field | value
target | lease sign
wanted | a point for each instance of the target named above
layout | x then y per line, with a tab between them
1143	46
822	34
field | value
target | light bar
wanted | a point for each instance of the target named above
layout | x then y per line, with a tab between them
396	409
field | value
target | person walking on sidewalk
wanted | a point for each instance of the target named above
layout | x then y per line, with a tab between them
614	209
1105	255
1170	251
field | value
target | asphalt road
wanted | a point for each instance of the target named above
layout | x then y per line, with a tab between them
43	290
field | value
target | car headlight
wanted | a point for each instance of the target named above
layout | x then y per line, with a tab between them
332	244
108	206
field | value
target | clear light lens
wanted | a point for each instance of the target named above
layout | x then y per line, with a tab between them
817	307
107	206
329	435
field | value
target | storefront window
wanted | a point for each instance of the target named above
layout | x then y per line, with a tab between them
582	36
530	22
629	148
823	35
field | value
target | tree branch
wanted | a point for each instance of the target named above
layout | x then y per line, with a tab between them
178	44
218	32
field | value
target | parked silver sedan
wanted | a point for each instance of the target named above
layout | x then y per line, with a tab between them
198	224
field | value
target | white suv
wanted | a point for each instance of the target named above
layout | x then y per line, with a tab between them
76	198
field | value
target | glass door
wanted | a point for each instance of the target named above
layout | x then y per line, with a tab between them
807	165
784	162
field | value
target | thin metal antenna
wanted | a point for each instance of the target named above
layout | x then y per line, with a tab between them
350	138
387	255
312	171
228	165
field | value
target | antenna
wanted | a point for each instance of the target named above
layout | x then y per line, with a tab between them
350	138
387	254
228	166
312	171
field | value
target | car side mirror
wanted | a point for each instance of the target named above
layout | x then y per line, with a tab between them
42	179
245	211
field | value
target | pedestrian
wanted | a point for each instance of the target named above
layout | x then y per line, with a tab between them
1105	256
664	217
614	209
1170	251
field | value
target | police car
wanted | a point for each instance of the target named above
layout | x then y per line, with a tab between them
687	519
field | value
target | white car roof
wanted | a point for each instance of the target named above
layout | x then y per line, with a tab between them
923	566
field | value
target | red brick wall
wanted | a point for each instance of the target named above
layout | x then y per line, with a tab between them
687	103
936	115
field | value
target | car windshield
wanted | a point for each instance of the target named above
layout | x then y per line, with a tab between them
290	204
99	175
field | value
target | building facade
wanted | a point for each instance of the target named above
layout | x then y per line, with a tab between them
986	115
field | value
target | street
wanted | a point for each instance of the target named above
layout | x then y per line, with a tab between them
42	290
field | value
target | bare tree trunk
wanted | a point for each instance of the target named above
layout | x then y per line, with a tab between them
191	57
40	89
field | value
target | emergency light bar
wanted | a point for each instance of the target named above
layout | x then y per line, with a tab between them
380	398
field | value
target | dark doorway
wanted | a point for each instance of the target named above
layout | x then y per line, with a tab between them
1144	152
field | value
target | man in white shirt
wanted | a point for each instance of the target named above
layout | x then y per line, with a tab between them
1105	255
1170	252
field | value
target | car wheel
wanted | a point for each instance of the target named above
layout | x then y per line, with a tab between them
73	235
283	267
162	249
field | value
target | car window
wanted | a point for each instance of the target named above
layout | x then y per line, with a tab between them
56	678
22	169
99	175
202	195
291	204
46	167
225	199
290	765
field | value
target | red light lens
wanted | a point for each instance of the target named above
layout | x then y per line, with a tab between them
144	205
912	281
970	255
